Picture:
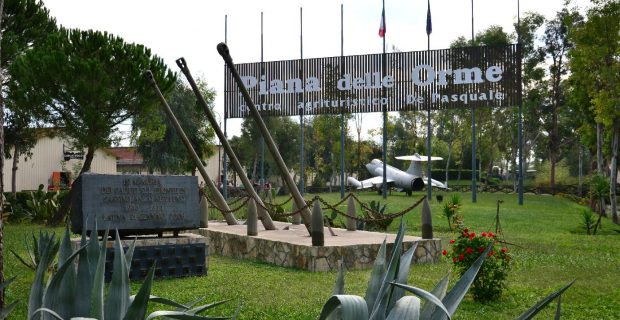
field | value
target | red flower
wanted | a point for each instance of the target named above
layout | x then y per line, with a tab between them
461	257
469	250
472	235
466	230
491	234
504	249
491	253
444	252
480	249
452	241
454	259
465	234
484	234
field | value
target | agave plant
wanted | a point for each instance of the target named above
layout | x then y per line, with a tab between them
6	310
76	289
35	250
385	296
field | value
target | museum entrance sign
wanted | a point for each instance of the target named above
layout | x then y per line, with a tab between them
439	79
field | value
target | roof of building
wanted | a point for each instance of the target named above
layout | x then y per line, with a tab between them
127	155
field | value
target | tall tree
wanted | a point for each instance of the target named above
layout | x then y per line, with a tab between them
557	44
88	82
23	23
167	154
595	64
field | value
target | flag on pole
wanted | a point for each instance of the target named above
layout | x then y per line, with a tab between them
382	26
429	24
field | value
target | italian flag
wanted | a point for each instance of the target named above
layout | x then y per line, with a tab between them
382	26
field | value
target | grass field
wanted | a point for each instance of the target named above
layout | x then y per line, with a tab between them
550	250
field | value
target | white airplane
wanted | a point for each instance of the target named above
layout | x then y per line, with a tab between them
411	180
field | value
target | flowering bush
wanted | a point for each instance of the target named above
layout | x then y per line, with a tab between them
491	279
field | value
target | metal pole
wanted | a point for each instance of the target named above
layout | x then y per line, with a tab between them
474	188
302	181
385	117
519	52
265	218
341	98
230	219
262	139
225	164
429	133
305	213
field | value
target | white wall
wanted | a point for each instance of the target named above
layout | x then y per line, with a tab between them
47	157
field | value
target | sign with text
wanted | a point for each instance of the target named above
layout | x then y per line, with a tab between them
436	79
135	204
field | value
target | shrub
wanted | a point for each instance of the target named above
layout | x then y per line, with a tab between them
452	211
587	220
491	279
374	215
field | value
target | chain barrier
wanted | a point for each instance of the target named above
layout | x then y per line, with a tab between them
268	207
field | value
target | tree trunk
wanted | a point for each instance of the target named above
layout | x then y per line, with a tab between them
552	171
14	170
613	177
599	148
59	217
1	168
448	161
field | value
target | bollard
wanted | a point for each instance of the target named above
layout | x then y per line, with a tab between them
204	212
316	228
297	216
351	223
252	221
427	221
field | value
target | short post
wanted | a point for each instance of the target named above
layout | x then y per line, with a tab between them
252	221
427	221
351	223
296	216
204	212
316	228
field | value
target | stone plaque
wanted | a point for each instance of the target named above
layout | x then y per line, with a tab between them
135	204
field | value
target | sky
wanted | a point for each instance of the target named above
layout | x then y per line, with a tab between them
192	29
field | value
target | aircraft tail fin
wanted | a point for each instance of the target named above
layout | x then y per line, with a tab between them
415	169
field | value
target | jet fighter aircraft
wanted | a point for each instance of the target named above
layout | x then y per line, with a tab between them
411	180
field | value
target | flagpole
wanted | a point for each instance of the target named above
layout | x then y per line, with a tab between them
474	188
262	139
302	183
341	98
385	118
225	165
519	48
429	185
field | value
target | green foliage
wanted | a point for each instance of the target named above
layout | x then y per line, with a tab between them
6	310
562	174
166	153
385	296
452	211
36	250
42	205
588	221
491	280
374	214
76	288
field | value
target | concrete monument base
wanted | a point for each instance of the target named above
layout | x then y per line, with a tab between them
291	246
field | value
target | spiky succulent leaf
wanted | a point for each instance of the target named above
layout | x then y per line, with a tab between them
381	303
424	294
531	312
48	312
47	255
339	287
118	291
138	307
558	310
166	301
403	274
96	304
457	293
4	312
352	307
440	292
376	277
407	307
67	291
57	297
129	253
205	307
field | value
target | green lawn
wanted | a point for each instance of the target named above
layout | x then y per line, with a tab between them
551	251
